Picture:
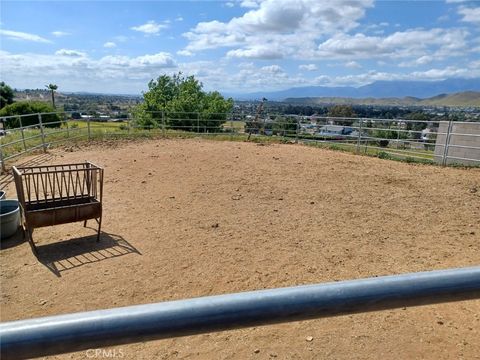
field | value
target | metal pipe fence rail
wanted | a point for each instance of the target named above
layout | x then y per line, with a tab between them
422	140
80	331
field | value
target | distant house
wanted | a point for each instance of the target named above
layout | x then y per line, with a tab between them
335	130
308	128
428	134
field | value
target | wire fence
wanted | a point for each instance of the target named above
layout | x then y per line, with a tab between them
441	142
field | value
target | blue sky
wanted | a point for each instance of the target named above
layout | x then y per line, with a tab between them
236	46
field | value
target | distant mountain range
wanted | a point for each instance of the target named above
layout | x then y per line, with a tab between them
465	99
377	89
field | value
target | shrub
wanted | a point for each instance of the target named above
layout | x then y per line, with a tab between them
384	155
29	107
383	143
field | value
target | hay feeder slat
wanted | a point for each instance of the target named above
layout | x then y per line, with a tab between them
59	194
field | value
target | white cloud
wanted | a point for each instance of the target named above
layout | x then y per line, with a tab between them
229	4
246	65
470	14
18	35
150	28
353	65
160	60
308	67
70	53
278	28
431	74
109	73
409	43
443	18
322	80
272	69
422	60
179	18
448	72
74	70
249	4
109	44
60	33
376	26
185	53
264	53
474	64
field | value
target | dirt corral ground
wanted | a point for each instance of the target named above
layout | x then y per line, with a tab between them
187	218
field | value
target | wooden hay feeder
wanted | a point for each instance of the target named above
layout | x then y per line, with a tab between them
58	194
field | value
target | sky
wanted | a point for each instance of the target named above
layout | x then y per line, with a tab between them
235	46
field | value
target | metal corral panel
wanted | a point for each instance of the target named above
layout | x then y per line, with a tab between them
458	143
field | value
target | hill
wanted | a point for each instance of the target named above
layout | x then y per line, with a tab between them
465	99
81	101
377	89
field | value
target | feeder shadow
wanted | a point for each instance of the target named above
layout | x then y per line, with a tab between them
70	254
13	240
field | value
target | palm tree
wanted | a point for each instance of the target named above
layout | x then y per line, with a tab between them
52	88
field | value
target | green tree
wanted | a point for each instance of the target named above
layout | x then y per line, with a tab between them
52	88
6	95
29	107
184	105
342	111
414	127
284	126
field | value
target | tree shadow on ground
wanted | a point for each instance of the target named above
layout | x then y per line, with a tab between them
66	255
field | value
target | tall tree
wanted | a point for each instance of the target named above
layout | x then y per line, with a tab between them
342	111
6	95
52	88
184	103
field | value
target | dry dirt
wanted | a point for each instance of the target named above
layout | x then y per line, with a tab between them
186	218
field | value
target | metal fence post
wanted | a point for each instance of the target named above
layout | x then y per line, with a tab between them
88	129
297	129
398	134
447	142
366	145
68	131
23	135
198	123
3	168
42	131
231	126
359	140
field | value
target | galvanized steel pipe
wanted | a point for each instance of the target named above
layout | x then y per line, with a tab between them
87	330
